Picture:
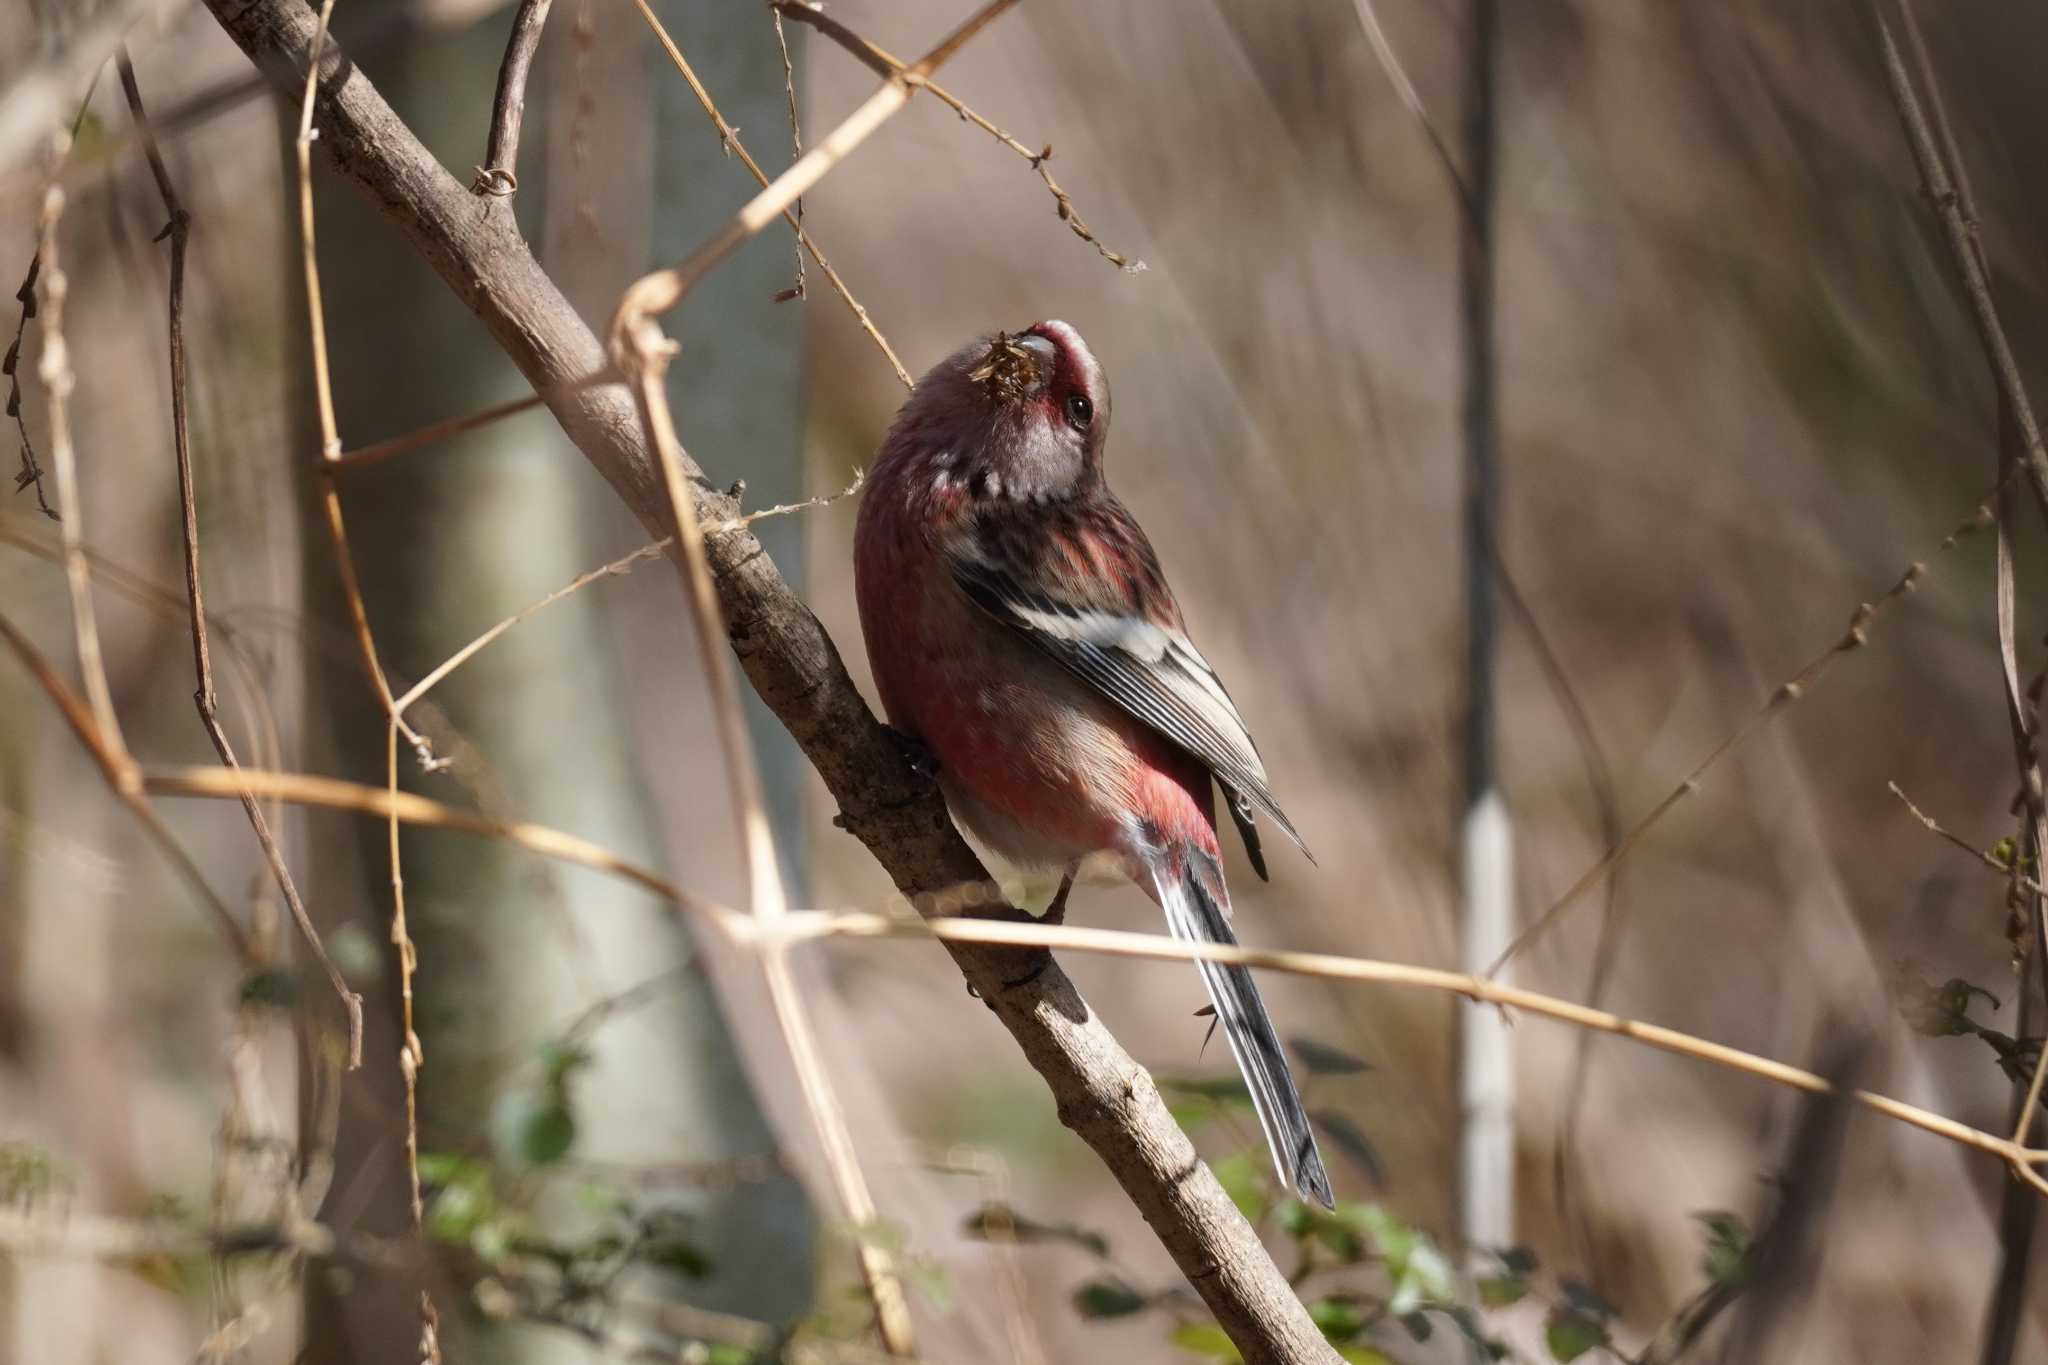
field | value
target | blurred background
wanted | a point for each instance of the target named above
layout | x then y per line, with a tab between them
1739	394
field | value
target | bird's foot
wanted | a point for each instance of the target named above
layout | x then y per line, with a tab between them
1056	910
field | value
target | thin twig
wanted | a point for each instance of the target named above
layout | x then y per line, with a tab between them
1936	828
126	781
622	565
658	291
1479	989
617	568
178	231
31	474
2019	445
1397	76
410	1057
803	925
642	353
323	392
882	63
351	460
729	136
1861	621
54	369
647	362
87	1237
796	150
1962	239
309	789
171	605
498	176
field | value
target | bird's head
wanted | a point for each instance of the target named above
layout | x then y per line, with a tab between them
1016	415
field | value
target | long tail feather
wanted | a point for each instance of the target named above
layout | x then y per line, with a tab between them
1196	913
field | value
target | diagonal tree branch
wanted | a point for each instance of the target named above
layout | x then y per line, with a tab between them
1101	1093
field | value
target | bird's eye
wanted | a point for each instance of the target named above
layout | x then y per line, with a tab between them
1079	410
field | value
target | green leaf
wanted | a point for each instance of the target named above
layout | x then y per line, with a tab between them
1205	1339
561	1058
1569	1335
679	1255
274	987
491	1240
1726	1258
932	1282
1583	1298
1323	1060
457	1210
1296	1219
1499	1291
1351	1140
1339	1233
547	1134
995	1222
1243	1178
1340	1317
1109	1298
1420	1273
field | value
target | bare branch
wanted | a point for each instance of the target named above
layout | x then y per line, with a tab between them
178	230
1962	240
54	370
729	137
498	176
882	63
1786	694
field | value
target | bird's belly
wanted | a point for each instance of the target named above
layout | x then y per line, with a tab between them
1033	763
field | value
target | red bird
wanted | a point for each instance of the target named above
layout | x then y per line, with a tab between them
1021	630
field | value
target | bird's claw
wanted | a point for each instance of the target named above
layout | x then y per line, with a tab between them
1055	911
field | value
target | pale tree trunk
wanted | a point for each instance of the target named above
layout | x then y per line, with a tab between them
448	541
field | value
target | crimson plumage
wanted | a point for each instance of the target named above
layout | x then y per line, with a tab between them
1021	628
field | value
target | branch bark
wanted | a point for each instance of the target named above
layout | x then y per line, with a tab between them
1101	1093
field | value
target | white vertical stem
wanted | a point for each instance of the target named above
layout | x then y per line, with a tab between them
1486	1073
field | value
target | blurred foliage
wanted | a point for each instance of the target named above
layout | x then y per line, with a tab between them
1374	1283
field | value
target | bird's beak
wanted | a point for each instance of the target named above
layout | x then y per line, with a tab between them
1046	357
1016	367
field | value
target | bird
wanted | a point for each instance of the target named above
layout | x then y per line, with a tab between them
1022	635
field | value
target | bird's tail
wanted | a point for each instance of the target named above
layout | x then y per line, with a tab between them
1196	909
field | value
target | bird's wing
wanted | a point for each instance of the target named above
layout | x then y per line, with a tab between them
1080	581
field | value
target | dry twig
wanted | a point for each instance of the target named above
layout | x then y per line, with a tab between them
498	176
410	1054
125	780
31	473
882	63
943	921
796	149
729	137
178	230
54	370
1783	696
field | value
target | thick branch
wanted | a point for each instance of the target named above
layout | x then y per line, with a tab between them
1105	1096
